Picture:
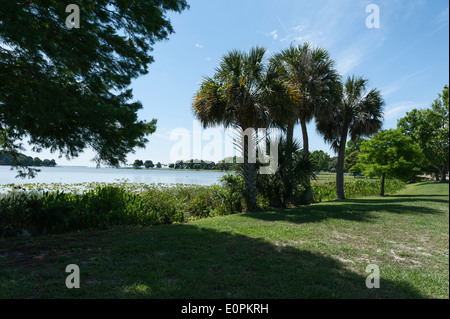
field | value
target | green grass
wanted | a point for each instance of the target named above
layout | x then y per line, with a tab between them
320	251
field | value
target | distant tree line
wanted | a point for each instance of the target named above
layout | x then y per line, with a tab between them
227	164
8	160
138	164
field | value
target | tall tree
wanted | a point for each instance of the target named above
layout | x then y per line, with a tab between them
353	146
358	113
310	73
149	164
390	153
66	89
320	160
430	127
350	162
138	164
239	96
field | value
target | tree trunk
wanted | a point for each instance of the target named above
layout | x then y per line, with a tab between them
444	174
249	171
340	195
309	194
288	181
290	134
383	179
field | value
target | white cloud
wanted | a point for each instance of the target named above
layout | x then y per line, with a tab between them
348	61
274	34
198	45
442	19
398	110
403	82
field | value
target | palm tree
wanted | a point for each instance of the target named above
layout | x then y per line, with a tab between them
310	73
240	95
358	113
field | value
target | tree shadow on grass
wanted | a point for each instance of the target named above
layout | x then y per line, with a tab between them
389	200
224	265
192	262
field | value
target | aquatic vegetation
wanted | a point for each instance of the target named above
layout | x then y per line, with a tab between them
60	208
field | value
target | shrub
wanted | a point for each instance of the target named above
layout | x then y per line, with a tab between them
101	206
326	191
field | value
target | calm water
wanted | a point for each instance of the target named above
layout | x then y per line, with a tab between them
70	175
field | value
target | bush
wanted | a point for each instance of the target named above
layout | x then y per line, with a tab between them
101	206
326	191
286	187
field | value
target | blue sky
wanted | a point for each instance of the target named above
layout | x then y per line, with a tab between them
407	58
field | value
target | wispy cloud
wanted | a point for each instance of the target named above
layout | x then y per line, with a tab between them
282	25
399	109
348	60
274	34
338	26
442	19
198	45
403	82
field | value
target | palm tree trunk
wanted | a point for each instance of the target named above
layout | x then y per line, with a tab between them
290	135
309	194
340	195
383	179
249	171
289	183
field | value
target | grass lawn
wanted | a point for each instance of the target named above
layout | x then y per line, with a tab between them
320	251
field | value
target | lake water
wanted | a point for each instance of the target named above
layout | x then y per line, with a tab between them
72	175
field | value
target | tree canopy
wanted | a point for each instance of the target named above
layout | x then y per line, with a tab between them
241	94
390	153
359	113
430	128
68	89
320	160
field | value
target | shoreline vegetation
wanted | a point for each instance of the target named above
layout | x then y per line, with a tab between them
39	209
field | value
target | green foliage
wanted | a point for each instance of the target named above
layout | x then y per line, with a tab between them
332	165
8	160
68	89
353	146
288	185
231	197
198	165
359	113
430	128
245	92
149	164
326	191
320	160
101	206
390	153
68	208
350	163
138	164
